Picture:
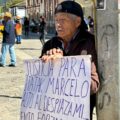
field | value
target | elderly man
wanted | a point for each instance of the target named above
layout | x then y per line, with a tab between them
72	39
8	41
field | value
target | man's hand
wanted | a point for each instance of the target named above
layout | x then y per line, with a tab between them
52	54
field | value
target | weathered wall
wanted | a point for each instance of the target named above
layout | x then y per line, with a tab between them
108	47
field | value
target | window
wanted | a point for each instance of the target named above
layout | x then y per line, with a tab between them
37	1
28	2
33	2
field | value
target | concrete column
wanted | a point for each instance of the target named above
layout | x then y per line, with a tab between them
108	44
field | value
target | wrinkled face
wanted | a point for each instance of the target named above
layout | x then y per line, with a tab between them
66	24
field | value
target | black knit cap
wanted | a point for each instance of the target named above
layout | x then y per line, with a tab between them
71	7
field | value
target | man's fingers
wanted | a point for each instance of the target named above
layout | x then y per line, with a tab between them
46	58
52	54
59	51
53	51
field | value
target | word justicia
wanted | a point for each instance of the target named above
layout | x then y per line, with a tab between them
67	67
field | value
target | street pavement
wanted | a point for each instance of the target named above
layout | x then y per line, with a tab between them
12	79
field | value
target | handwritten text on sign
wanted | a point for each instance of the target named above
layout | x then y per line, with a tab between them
57	90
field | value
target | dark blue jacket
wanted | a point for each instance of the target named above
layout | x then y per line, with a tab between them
9	32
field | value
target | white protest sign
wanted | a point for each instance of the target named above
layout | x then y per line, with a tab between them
57	90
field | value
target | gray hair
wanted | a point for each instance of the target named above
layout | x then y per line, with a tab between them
72	16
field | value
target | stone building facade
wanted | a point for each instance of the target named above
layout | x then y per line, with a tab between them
36	8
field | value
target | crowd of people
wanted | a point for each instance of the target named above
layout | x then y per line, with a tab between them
12	33
72	38
39	27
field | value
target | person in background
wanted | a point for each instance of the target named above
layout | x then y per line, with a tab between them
26	26
87	23
91	24
73	38
18	30
8	41
42	29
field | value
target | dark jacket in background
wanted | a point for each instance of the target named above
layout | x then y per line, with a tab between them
26	24
42	26
9	32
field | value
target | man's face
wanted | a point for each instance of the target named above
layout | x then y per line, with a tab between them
6	18
66	25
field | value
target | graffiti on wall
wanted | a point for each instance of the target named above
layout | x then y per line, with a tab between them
106	37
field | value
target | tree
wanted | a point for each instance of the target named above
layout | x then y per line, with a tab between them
1	9
10	3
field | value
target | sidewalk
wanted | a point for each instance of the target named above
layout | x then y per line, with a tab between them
36	36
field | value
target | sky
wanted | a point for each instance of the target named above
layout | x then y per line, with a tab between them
2	1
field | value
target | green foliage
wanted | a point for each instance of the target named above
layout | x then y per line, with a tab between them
12	2
9	3
1	9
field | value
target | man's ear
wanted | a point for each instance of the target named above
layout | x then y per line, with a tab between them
78	21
